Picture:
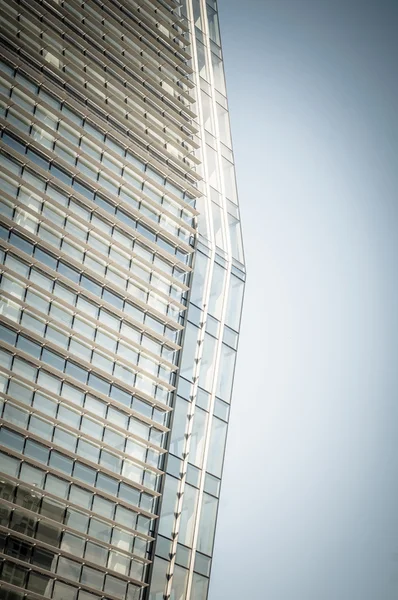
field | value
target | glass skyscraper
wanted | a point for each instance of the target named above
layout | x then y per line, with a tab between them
122	277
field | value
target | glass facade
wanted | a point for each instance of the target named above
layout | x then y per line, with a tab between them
121	289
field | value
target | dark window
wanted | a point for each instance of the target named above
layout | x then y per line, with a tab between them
36	451
84	473
23	524
43	558
38	583
38	159
99	384
11	440
67	271
7	335
48	533
46	258
6	490
14	574
13	143
61	174
28	346
75	371
53	359
27	499
21	243
18	549
90	285
107	484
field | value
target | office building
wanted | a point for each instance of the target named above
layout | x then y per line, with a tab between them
121	288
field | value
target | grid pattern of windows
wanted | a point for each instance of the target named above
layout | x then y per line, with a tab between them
121	287
97	234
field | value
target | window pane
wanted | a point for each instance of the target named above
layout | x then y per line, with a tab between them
208	362
199	587
217	446
189	351
198	437
179	583
235	299
217	291
180	422
188	513
226	373
169	501
158	583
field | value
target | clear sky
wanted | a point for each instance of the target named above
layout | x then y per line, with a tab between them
309	507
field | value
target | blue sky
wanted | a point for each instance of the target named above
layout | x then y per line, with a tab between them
310	492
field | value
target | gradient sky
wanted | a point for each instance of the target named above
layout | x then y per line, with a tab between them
309	507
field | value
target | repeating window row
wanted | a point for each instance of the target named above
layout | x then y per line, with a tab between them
79	445
14	574
110	205
71	467
83	254
68	542
141	47
63	318
77	495
36	205
118	532
46	193
103	431
62	388
112	366
96	131
17	268
25	577
104	82
113	31
145	387
87	282
120	176
139	57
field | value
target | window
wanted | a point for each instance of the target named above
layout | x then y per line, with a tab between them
48	533
188	513
217	445
68	568
115	586
198	437
189	351
92	578
99	530
199	587
158	583
169	501
206	373
38	583
14	574
62	591
207	524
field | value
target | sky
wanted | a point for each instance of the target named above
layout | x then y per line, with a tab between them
310	489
